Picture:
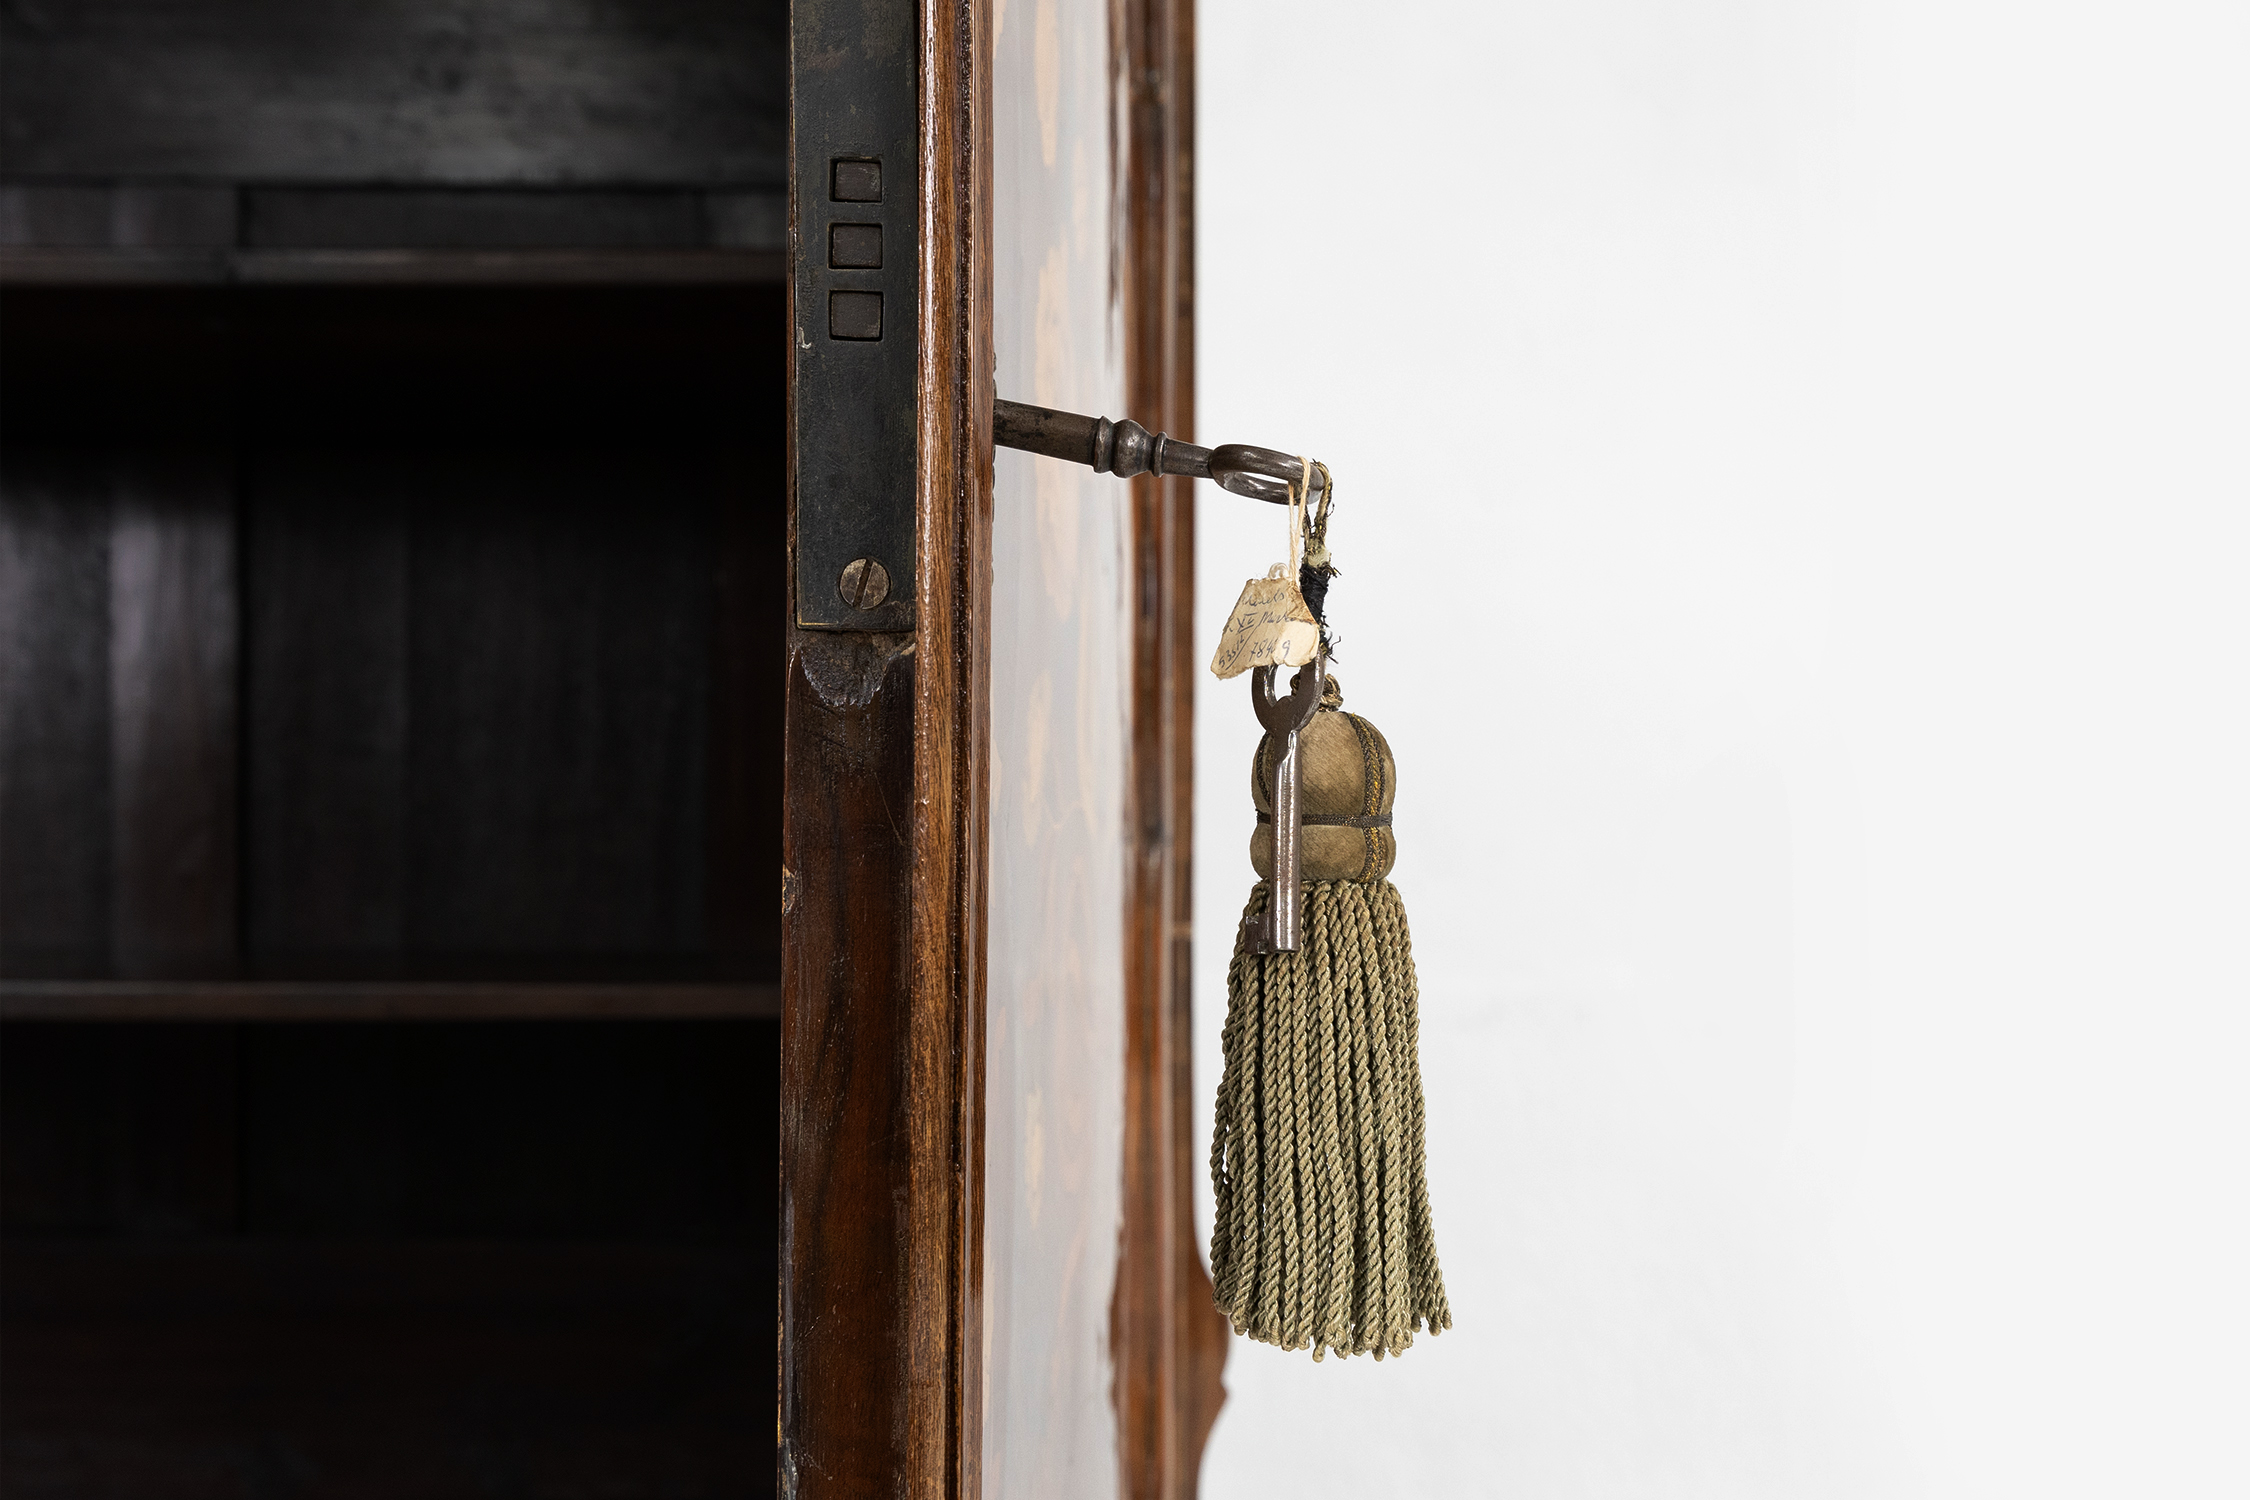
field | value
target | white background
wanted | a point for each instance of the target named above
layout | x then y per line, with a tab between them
1794	466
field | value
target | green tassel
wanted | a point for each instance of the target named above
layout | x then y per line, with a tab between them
1323	1238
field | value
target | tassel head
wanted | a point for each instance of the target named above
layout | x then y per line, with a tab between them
1349	784
1323	1238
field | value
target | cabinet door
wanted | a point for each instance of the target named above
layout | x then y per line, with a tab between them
1103	1345
989	1280
1061	767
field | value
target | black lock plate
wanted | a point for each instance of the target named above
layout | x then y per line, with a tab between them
852	74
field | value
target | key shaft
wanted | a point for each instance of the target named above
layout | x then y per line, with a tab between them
1280	927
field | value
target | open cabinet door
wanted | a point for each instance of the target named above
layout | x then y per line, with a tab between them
989	1280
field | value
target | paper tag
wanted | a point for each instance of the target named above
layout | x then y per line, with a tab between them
1270	627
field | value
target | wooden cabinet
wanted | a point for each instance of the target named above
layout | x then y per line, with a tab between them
411	1082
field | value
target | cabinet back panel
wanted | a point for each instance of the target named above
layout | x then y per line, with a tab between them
496	575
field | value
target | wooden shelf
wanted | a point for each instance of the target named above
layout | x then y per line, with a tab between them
205	267
283	1000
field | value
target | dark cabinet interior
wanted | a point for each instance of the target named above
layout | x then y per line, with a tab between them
391	572
391	633
419	1258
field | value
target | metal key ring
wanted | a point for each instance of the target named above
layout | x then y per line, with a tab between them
1284	715
1260	473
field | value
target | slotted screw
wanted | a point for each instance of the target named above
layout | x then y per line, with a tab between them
865	584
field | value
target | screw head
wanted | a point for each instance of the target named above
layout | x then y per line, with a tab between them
865	584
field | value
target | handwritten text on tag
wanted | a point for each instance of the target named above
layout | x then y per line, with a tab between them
1270	627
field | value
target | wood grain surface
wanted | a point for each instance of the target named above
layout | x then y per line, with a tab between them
1170	1340
391	532
494	572
118	721
402	91
952	723
883	895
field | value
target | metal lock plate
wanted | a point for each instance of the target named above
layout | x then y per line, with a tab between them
852	77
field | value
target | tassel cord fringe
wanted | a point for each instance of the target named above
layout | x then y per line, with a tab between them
1322	1237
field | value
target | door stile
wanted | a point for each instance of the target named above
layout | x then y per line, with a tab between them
883	898
1169	1340
952	746
1200	1339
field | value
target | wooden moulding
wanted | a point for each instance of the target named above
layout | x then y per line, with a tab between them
952	718
884	908
533	93
952	730
1169	1340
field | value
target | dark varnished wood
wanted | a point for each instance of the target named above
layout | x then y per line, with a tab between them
495	571
1202	1339
55	866
173	670
480	709
1170	1341
118	718
398	652
848	741
883	902
517	91
137	215
126	233
952	732
1200	1345
104	267
748	649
